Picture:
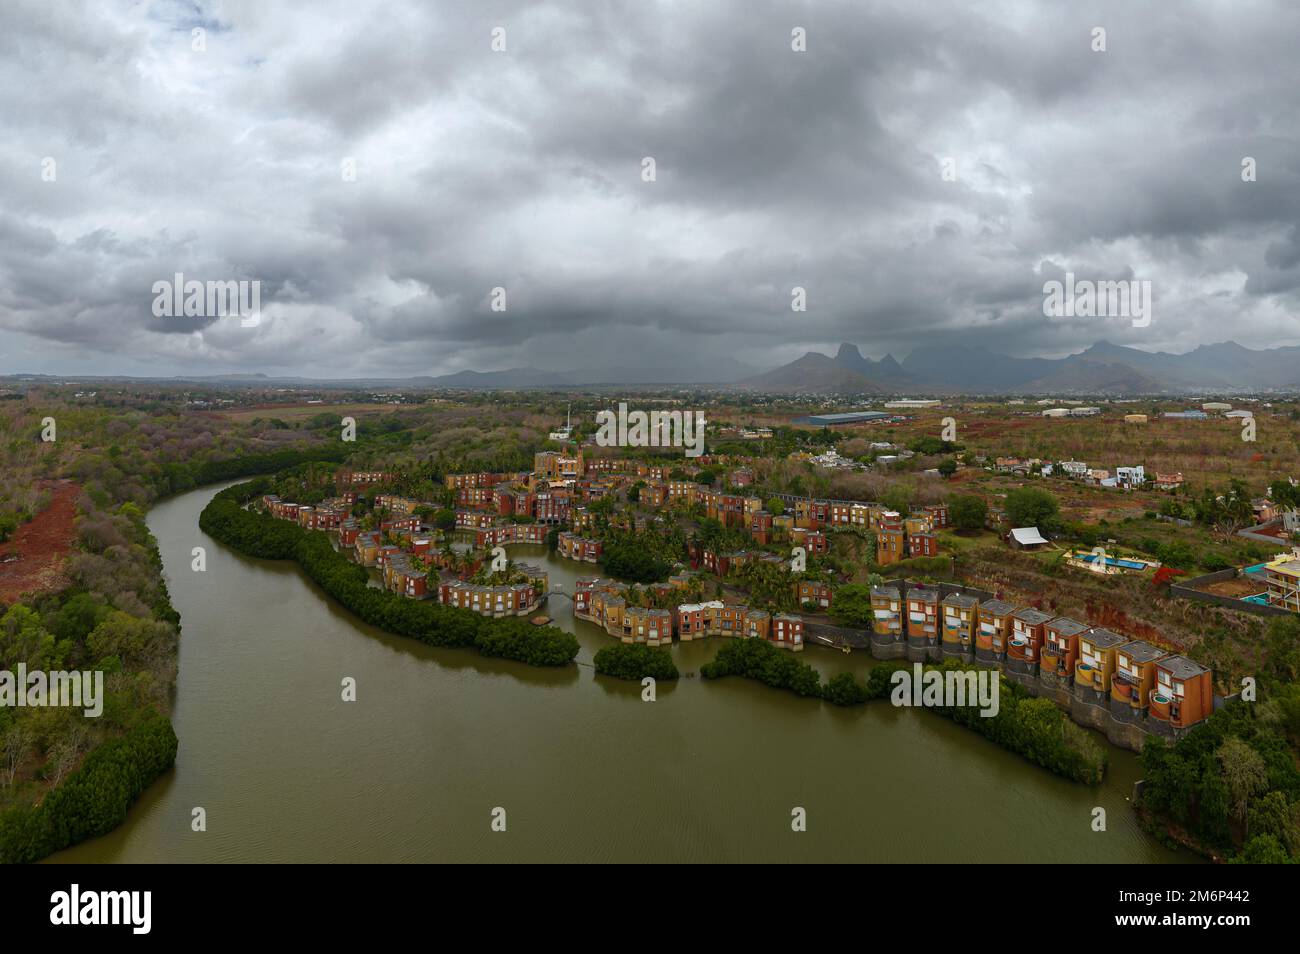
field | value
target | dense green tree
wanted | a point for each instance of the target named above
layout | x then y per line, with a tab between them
1264	850
1032	507
760	660
635	661
843	689
967	512
852	606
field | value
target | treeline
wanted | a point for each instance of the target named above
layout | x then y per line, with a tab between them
114	616
95	798
760	660
432	623
1034	728
636	661
1232	783
176	477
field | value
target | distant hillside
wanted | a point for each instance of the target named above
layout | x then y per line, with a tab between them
812	374
1080	375
509	379
687	369
1104	368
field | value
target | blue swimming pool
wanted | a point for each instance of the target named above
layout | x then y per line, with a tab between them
1112	561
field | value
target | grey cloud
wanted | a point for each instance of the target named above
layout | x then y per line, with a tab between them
522	169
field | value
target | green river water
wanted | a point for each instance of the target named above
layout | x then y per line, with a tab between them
586	771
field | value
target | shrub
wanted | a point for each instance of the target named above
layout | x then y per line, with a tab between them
635	661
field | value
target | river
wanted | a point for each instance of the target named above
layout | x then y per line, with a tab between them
437	739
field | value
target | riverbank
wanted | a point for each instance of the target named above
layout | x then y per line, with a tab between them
264	536
288	772
93	772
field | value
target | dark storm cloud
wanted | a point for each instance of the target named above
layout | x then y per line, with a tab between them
522	169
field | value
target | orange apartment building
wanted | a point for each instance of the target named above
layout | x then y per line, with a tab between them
730	510
923	618
1061	648
553	506
654	494
556	466
787	631
1134	678
362	478
474	520
508	500
1183	693
887	613
508	599
396	503
938	515
813	591
1097	652
401	576
510	533
477	498
891	544
960	624
1028	632
366	548
571	546
653	627
922	545
994	633
482	479
813	541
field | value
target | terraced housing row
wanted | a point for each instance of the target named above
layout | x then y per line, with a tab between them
403	553
1124	687
606	603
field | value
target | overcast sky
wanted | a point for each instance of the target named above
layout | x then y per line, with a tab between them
523	169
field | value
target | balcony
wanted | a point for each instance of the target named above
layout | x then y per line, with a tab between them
1161	706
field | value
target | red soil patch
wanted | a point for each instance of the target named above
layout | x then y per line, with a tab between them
41	544
1115	619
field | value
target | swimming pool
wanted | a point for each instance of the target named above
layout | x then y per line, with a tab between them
1112	561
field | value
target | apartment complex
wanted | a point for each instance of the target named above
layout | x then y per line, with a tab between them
1282	577
605	603
1127	688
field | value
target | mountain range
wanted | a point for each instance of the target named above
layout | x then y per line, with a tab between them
1104	368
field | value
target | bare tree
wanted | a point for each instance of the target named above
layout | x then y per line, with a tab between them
17	743
67	752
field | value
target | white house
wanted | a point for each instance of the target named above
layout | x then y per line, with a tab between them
1131	476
